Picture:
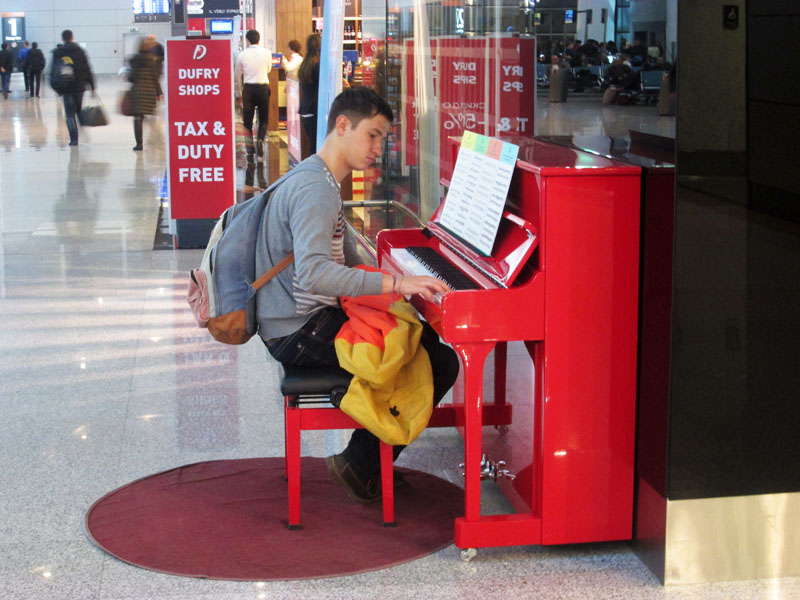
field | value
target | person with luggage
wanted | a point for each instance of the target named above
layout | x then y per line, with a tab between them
145	88
70	75
298	310
36	63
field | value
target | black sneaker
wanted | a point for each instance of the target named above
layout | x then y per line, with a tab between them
359	488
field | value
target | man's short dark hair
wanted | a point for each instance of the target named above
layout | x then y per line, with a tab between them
357	103
252	36
66	35
294	46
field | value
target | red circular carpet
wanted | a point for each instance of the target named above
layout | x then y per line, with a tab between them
228	520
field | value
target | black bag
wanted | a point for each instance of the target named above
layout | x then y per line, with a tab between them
93	115
62	73
126	104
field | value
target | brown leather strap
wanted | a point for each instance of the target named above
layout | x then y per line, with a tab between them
277	268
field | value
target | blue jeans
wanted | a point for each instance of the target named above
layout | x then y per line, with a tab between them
5	77
312	345
72	108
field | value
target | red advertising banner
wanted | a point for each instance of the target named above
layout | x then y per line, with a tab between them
485	85
201	155
369	49
515	67
464	88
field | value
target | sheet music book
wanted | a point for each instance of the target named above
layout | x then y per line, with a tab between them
478	190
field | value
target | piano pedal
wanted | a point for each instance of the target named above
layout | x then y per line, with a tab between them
491	469
467	554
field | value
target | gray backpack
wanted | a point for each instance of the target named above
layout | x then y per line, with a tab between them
222	291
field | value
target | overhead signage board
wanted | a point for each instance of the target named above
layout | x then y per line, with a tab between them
201	153
208	9
13	27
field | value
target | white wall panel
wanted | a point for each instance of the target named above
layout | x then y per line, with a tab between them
73	19
103	49
105	66
125	17
25	6
90	4
43	35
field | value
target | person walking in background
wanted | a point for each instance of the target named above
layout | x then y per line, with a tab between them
146	90
252	68
295	58
158	50
22	56
6	67
70	74
36	63
308	75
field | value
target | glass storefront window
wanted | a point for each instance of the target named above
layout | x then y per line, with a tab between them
450	66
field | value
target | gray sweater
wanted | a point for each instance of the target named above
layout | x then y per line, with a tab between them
302	216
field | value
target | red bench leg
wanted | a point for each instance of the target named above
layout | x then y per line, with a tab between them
387	484
293	463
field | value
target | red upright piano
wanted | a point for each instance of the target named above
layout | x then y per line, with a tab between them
562	279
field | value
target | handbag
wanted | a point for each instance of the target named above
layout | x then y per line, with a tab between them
93	115
126	104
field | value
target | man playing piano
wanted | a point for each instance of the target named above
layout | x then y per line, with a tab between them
298	311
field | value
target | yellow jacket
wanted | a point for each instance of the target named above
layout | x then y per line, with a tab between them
391	394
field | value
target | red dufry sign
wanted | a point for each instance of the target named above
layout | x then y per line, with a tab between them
515	66
464	95
202	173
485	85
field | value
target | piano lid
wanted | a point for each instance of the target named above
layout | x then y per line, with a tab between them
643	150
553	159
538	155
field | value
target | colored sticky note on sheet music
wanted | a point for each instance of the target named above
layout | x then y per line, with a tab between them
478	190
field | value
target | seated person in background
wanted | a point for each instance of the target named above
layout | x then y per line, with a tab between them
659	64
299	313
620	74
578	60
638	53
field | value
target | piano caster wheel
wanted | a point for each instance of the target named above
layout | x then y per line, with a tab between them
502	429
467	554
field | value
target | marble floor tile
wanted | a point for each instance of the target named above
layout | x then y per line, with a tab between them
50	569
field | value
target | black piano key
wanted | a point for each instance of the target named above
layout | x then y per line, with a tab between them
442	269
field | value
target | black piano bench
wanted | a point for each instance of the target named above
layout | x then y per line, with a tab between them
311	396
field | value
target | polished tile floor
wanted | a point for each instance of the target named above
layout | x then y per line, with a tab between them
104	379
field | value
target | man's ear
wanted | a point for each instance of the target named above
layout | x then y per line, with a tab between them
342	124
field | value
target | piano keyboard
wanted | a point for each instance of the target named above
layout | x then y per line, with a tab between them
421	260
